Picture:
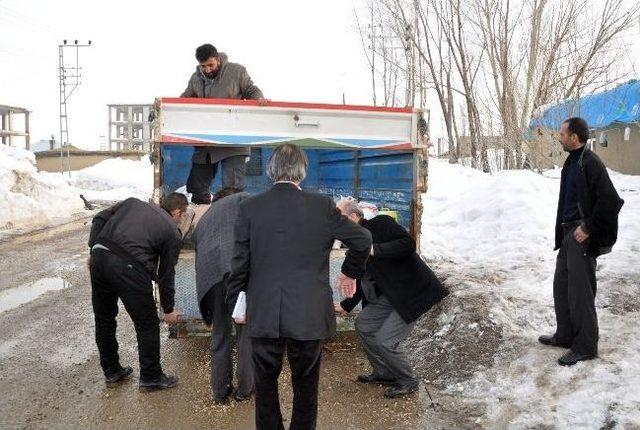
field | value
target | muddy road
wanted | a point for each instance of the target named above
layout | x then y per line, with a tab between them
50	376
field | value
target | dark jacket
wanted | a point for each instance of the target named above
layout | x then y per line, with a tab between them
213	238
232	82
142	233
283	238
399	272
598	204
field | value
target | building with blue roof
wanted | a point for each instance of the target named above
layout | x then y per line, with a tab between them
614	119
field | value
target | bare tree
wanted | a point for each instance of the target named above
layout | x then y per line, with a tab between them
541	51
429	43
500	59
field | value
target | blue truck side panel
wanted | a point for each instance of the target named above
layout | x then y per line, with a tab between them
377	176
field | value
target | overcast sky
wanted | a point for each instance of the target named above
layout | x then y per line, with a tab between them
295	50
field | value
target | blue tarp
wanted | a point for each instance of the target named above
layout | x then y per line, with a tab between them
600	110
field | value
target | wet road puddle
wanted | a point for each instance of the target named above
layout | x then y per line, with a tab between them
14	297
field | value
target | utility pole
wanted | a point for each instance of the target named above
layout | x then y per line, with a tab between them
382	47
69	80
410	74
372	36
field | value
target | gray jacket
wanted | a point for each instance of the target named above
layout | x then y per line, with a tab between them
213	239
232	82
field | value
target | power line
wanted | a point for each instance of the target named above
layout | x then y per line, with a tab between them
18	18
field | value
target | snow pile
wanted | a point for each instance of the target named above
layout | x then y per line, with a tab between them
29	197
491	237
115	179
484	220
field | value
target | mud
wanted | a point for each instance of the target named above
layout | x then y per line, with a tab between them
457	337
51	378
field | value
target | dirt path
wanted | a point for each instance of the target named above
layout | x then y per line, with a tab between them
50	376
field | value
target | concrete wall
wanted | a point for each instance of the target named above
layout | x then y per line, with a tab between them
50	161
619	155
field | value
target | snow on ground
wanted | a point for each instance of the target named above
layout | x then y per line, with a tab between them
29	197
115	179
479	228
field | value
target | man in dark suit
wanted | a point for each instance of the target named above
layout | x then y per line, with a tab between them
396	289
586	227
283	238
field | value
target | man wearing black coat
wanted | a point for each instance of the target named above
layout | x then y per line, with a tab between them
283	238
586	227
126	242
397	288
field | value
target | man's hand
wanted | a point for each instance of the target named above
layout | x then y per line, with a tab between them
262	101
337	307
240	320
171	318
346	285
371	252
580	235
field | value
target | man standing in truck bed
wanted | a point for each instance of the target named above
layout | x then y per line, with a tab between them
215	77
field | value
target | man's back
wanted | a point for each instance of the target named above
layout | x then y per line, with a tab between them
213	238
283	240
144	231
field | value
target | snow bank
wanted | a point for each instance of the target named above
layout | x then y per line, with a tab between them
29	197
505	221
492	237
482	220
115	179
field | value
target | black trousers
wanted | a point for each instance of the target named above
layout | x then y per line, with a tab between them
574	292
112	277
199	181
304	360
234	170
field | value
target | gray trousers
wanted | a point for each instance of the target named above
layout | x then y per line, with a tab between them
574	292
380	330
234	171
221	350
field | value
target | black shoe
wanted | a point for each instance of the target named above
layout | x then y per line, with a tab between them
239	397
550	339
162	383
112	379
220	400
375	379
571	358
398	390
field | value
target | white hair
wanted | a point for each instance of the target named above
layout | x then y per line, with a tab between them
350	206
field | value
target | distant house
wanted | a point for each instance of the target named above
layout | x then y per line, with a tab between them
72	158
14	123
44	145
613	117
